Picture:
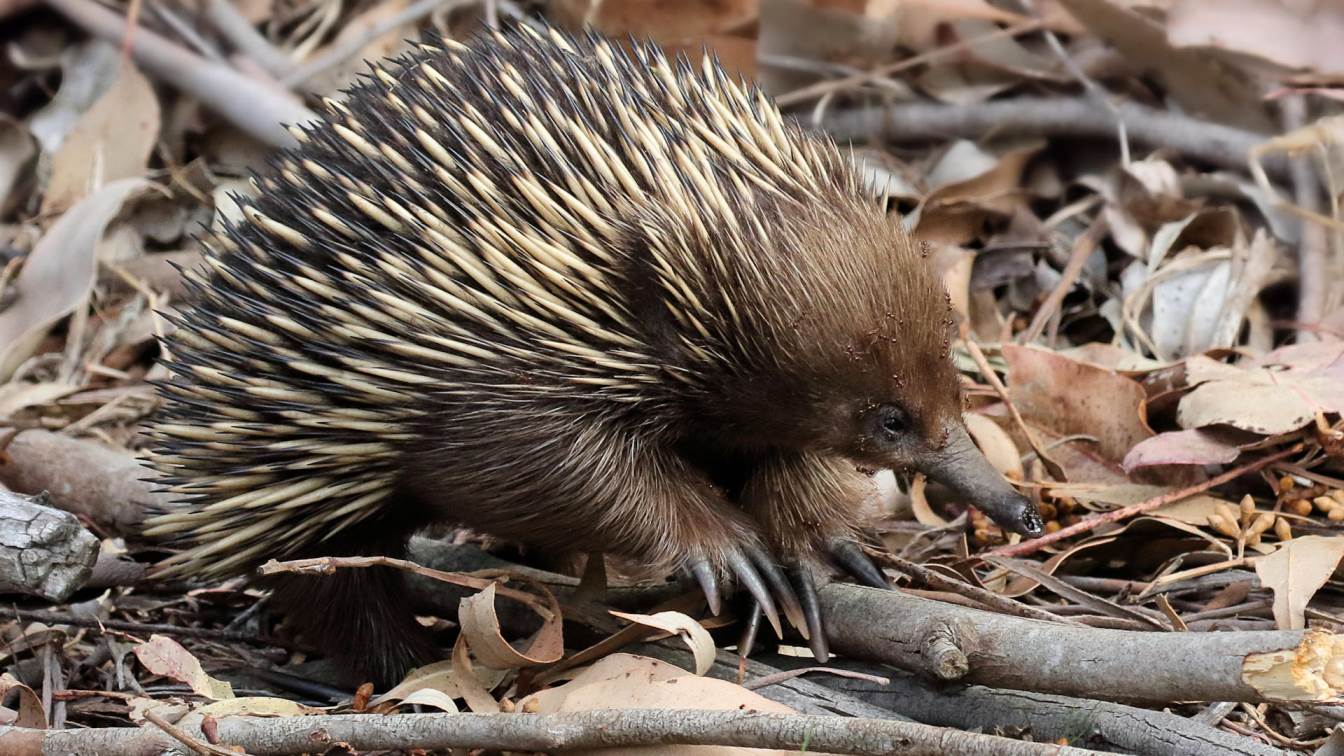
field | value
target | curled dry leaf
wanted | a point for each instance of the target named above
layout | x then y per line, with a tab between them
1295	571
997	445
1278	393
164	656
31	713
480	625
59	272
695	636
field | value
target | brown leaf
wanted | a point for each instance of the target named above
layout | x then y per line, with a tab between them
480	625
1296	35
1184	447
164	656
112	140
1069	397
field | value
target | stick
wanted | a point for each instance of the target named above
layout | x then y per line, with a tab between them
1035	544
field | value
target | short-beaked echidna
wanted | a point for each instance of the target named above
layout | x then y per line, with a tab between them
579	297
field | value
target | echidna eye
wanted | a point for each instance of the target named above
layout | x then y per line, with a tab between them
893	420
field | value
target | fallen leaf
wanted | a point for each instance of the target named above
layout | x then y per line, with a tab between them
627	681
31	713
696	637
1279	393
112	140
1075	398
1184	447
1300	35
162	655
1295	571
480	625
57	276
255	706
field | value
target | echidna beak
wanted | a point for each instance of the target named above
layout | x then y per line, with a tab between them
962	467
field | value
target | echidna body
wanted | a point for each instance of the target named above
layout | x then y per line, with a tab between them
552	290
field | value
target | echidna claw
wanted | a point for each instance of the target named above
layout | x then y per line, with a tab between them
704	575
747	640
779	586
747	576
852	558
807	594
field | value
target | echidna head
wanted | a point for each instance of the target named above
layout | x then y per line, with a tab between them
844	346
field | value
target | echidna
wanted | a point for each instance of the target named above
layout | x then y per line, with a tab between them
569	295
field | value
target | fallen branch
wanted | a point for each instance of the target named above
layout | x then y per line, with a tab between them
1117	665
1108	726
98	482
1213	143
628	728
44	552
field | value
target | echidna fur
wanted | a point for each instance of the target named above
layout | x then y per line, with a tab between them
530	285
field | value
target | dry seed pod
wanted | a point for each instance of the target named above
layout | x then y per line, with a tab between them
1335	515
1225	525
1283	530
1227	511
1299	507
1325	504
1286	484
1261	523
1053	526
1337	495
1247	508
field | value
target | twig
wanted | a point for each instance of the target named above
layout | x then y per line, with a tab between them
1051	466
1083	247
345	50
145	628
779	677
822	88
1035	544
624	729
234	27
1313	283
935	580
195	744
1214	143
253	108
890	627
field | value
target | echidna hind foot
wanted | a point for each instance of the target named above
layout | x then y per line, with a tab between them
360	618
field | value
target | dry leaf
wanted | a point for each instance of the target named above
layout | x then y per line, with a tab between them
1295	571
31	713
627	681
480	625
1303	36
17	150
1195	78
1068	397
112	140
1184	447
59	272
1279	393
696	637
254	706
164	656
